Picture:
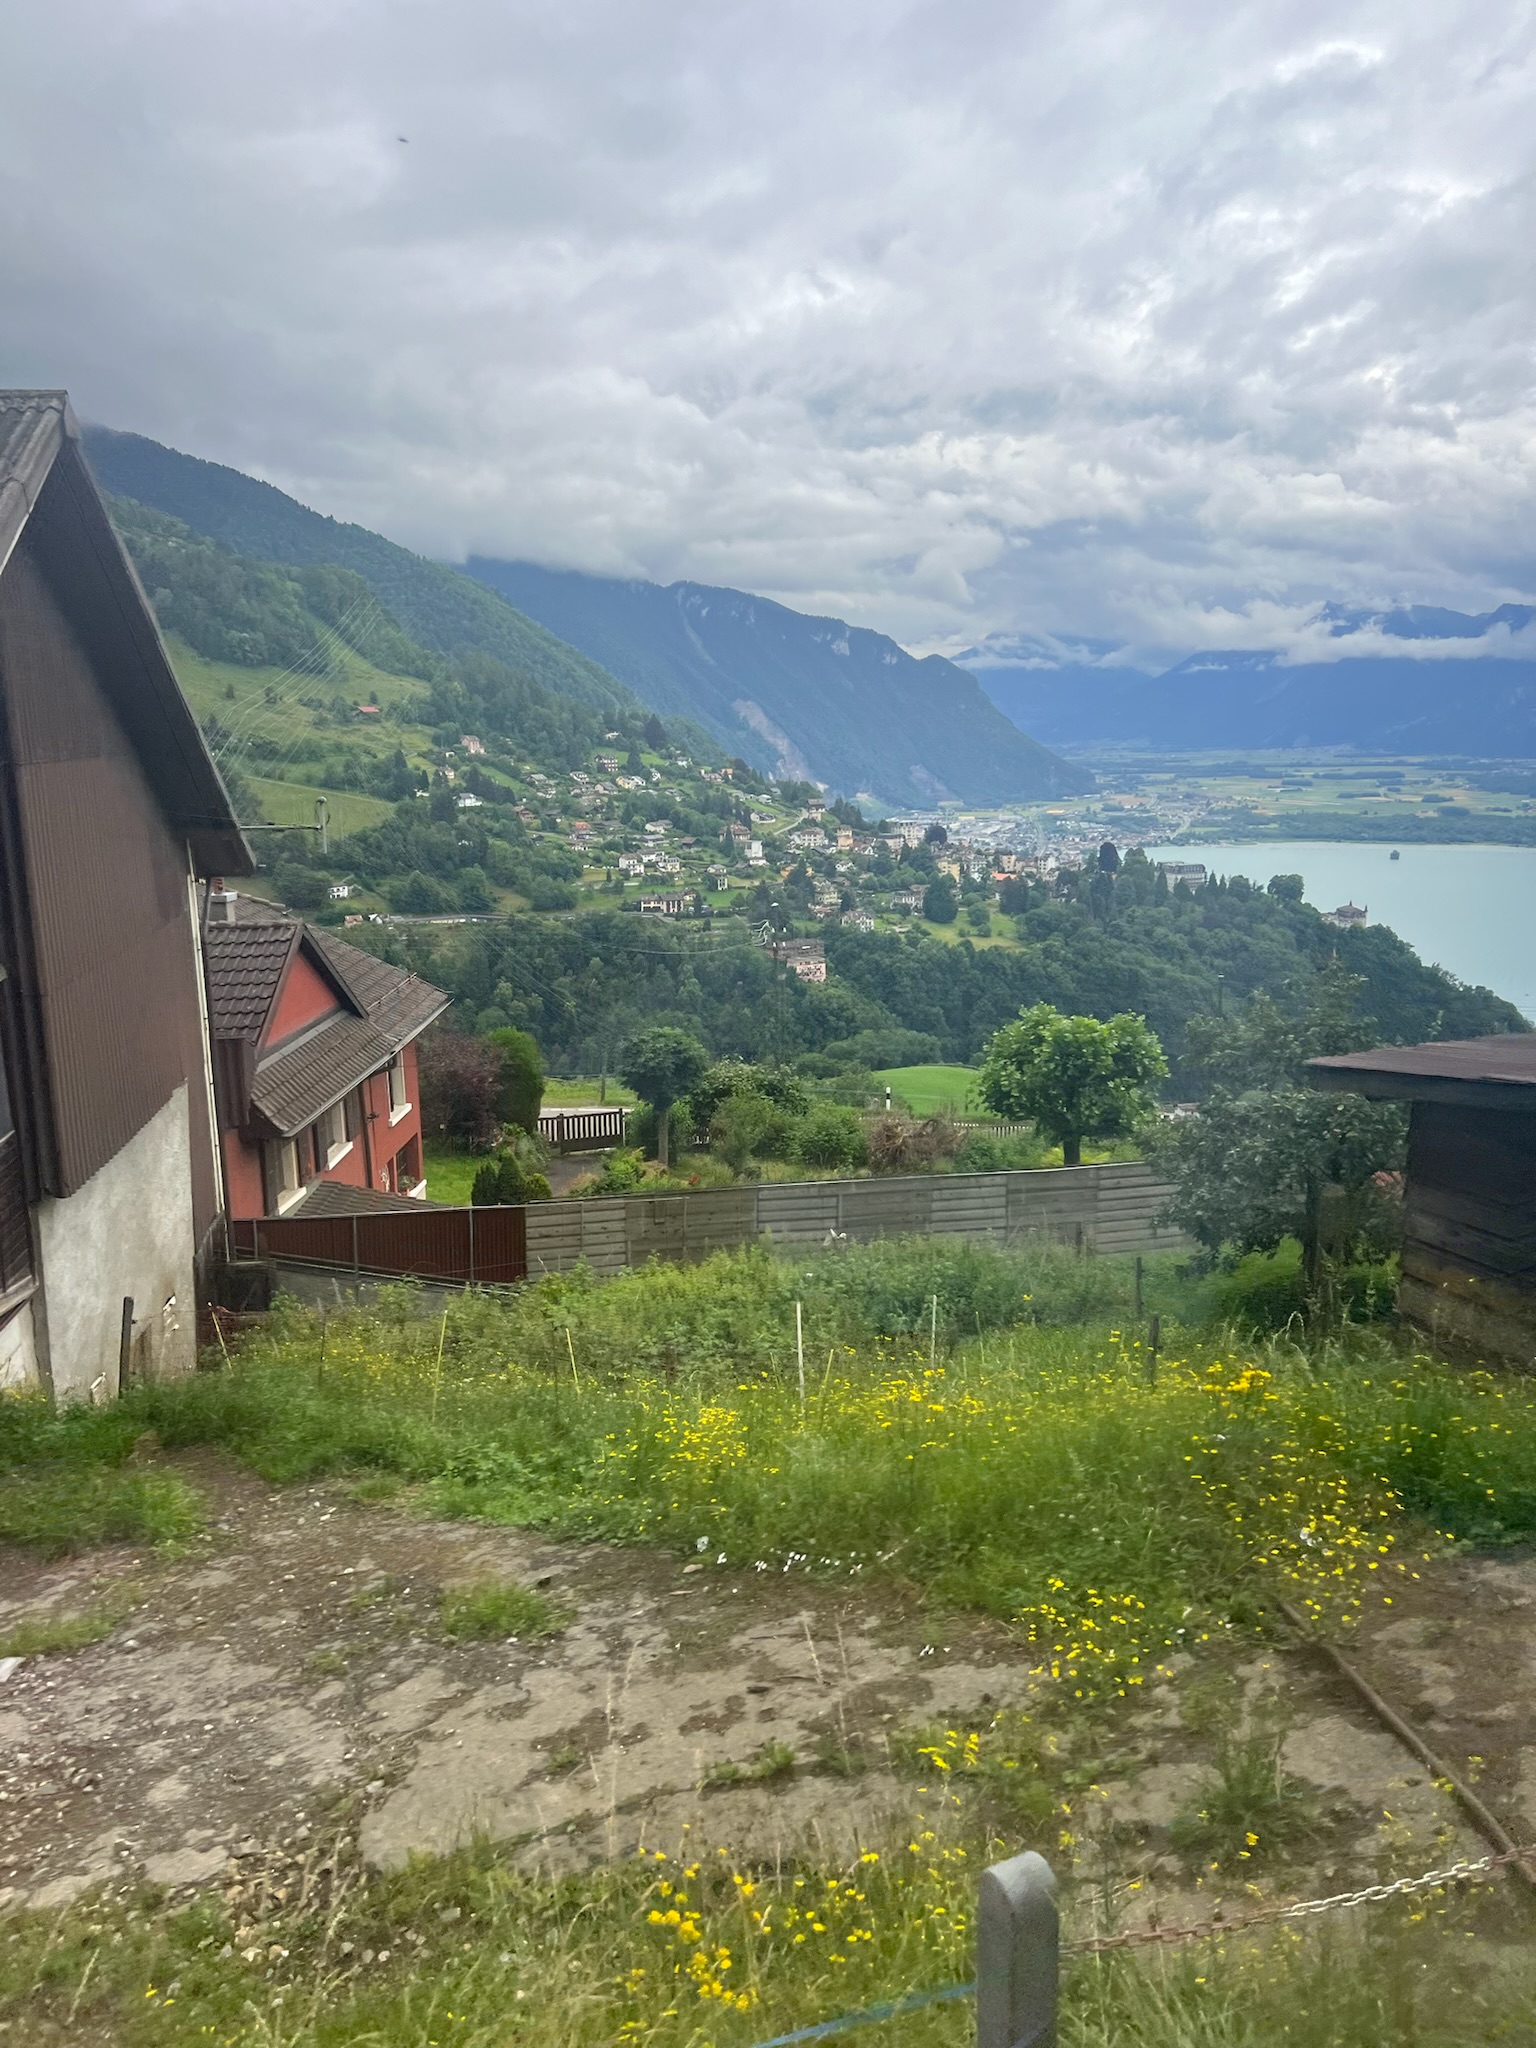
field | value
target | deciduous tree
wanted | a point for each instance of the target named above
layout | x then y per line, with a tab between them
1073	1077
661	1064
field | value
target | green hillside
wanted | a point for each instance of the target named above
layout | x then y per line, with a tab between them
454	784
439	609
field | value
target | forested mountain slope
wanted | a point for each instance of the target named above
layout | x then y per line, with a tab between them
798	695
438	607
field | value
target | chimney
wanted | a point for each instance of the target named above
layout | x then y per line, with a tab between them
221	902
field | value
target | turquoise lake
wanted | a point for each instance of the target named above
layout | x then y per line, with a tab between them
1469	909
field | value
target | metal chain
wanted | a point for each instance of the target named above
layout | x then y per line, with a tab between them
1453	1873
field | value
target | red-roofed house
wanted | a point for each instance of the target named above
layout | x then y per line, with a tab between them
314	1052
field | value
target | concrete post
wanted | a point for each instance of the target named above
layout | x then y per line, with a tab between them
1016	1955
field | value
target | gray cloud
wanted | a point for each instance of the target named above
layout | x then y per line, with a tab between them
1159	323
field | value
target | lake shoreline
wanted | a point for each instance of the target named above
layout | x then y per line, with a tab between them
1469	908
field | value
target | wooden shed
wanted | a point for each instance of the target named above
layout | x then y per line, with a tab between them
1469	1224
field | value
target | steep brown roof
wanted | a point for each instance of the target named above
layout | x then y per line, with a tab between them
246	963
48	495
292	1087
399	1004
1481	1073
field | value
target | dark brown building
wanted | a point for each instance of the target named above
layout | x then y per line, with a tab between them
111	813
1469	1222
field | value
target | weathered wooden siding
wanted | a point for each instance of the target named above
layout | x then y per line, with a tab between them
1469	1228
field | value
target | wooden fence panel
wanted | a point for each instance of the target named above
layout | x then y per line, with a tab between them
1100	1208
799	1213
899	1207
971	1205
718	1220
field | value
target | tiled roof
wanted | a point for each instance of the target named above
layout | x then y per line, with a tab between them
399	1005
245	966
292	1087
385	1009
334	1198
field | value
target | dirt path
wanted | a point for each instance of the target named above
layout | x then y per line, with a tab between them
294	1670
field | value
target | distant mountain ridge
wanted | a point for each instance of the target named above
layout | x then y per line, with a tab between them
1254	699
798	695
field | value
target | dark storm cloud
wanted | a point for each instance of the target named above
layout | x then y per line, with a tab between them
1153	322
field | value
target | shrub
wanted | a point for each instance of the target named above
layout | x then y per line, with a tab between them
522	1079
981	1152
898	1145
506	1179
1266	1290
460	1088
831	1135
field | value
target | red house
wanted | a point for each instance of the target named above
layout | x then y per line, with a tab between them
314	1060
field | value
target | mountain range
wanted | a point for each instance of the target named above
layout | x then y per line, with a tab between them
1452	694
800	697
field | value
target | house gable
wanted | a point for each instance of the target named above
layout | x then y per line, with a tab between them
305	997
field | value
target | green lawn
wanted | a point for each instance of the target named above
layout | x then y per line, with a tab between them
929	1090
293	803
584	1090
450	1170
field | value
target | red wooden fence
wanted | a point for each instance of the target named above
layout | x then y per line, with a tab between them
488	1246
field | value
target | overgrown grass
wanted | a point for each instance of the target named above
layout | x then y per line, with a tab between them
46	1634
66	1486
499	1610
1035	1472
74	1506
700	1951
1019	1457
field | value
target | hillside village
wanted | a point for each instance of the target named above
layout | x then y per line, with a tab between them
614	1618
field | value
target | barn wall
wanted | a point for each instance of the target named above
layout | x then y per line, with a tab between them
1469	1229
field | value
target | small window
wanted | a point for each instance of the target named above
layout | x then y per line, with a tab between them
331	1137
287	1175
399	1102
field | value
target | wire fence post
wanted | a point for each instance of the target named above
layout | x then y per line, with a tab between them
1017	1954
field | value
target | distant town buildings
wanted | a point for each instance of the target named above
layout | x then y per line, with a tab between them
806	959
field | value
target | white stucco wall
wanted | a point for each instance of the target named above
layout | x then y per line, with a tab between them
18	1353
129	1230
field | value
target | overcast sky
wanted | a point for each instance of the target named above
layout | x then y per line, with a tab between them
1158	323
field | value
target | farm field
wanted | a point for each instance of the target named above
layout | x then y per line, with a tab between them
935	1090
554	1671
